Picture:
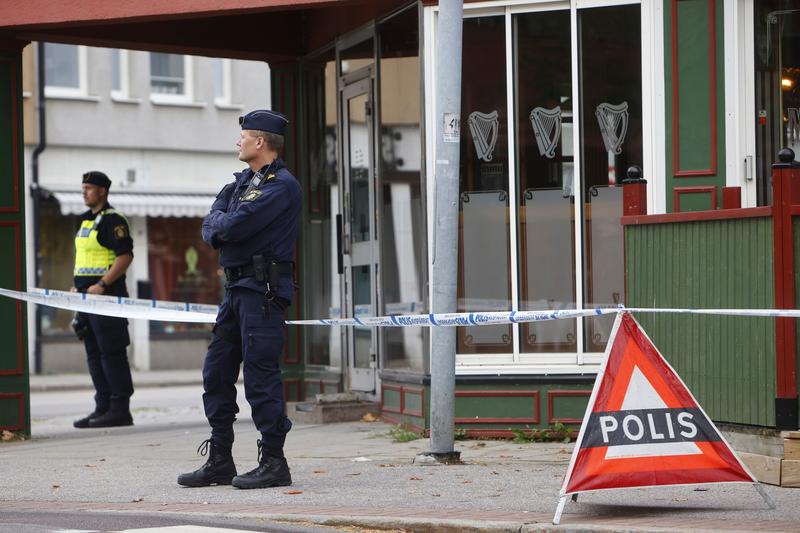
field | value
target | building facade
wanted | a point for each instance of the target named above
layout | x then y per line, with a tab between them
164	128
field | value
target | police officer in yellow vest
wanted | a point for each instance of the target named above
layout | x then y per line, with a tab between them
103	252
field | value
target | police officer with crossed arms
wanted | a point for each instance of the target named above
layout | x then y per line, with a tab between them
103	252
254	225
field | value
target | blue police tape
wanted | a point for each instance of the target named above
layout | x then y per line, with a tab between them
201	313
117	305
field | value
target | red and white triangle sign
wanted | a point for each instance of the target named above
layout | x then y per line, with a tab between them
643	427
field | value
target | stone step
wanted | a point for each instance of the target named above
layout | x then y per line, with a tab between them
330	411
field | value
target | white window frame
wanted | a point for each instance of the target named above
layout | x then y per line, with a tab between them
226	99
740	100
79	92
123	94
187	98
653	144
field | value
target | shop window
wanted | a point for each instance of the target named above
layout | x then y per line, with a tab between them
182	268
545	176
611	141
403	234
56	262
484	281
321	278
777	86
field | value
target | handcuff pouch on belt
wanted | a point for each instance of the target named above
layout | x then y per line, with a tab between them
266	273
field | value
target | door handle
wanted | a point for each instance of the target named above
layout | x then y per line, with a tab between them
339	254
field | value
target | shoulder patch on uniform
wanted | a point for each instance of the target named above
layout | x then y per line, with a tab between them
121	231
252	195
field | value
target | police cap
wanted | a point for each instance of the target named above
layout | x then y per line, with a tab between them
95	177
264	120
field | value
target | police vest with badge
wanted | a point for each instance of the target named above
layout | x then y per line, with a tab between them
100	239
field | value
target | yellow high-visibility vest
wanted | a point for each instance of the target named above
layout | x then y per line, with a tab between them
91	257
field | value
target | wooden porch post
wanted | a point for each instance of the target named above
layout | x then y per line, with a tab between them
785	189
14	384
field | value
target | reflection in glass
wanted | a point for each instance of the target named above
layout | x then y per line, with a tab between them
547	268
605	279
359	168
543	80
362	306
777	86
321	280
611	135
357	56
403	239
484	235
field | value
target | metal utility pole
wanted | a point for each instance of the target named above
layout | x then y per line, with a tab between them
445	221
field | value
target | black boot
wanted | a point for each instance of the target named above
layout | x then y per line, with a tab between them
112	419
218	470
271	472
84	422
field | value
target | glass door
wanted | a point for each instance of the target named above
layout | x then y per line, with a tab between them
360	251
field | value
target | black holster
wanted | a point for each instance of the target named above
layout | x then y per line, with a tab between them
80	326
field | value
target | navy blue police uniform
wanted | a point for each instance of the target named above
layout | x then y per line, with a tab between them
105	338
254	224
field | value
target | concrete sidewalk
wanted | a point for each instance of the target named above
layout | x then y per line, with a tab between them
148	378
350	474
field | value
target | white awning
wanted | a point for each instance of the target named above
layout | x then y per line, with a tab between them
143	204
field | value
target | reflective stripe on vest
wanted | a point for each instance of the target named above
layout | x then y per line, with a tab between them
91	257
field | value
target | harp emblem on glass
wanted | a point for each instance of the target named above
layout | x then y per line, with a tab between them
484	133
547	129
613	121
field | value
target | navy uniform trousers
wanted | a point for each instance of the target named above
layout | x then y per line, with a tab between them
249	332
106	342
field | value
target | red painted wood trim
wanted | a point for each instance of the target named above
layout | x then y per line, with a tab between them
785	328
678	191
695	216
712	65
21	413
501	394
68	14
16	176
414	391
399	391
19	369
551	419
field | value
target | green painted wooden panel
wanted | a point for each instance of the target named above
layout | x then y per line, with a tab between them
14	385
694	84
727	362
477	407
694	111
6	133
569	407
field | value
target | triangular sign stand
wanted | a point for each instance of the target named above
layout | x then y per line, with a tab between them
643	427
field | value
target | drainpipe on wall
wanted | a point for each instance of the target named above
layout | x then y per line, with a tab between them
36	196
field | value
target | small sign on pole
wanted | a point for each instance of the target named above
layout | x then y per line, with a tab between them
643	427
